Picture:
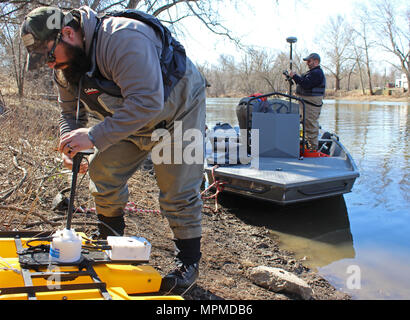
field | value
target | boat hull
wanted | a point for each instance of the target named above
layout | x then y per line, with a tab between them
289	180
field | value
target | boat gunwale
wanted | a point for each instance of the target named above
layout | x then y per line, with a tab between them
351	174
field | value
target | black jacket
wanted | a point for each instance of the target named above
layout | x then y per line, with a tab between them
311	83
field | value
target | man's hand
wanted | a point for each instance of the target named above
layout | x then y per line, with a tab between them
68	163
291	74
75	141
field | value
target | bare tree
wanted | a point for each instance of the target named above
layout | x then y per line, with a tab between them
222	77
394	37
170	12
365	43
335	41
357	64
257	71
264	64
14	52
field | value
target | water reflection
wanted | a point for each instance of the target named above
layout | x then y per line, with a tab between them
375	233
377	137
317	231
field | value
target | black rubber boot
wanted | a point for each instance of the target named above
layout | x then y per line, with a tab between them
110	226
187	266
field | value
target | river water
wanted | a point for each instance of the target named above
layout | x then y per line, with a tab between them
359	242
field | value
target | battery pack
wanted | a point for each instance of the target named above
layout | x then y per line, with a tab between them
128	248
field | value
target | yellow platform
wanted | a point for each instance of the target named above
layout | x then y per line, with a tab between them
120	281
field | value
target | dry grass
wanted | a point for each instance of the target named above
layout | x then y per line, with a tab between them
380	95
31	171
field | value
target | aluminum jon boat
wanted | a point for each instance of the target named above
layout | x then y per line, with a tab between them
268	159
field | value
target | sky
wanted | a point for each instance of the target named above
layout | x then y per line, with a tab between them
267	26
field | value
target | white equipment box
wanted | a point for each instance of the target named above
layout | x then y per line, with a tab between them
128	248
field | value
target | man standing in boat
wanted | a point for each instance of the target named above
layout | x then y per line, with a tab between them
311	88
136	78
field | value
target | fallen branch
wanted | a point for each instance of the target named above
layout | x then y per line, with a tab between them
53	175
53	220
30	211
5	113
15	163
49	174
21	210
2	103
7	190
81	223
74	222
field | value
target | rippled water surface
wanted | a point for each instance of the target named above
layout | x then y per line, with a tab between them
360	242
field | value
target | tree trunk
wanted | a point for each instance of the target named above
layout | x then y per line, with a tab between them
368	71
361	78
349	77
337	83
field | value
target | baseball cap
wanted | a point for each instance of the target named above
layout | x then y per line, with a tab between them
40	26
313	56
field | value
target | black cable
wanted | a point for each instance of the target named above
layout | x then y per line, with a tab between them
37	239
100	247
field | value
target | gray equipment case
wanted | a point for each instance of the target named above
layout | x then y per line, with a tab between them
278	129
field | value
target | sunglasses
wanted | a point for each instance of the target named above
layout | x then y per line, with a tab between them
50	57
39	55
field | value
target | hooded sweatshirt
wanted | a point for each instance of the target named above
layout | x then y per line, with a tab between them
128	53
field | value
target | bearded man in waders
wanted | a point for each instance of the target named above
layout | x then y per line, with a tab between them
311	87
129	71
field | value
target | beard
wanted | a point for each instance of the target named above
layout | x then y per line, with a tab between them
78	63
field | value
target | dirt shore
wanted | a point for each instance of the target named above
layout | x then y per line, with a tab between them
350	95
31	175
361	97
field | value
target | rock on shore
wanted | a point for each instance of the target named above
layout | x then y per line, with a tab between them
278	280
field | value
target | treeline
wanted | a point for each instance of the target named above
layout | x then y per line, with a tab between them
257	71
352	52
350	49
260	71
